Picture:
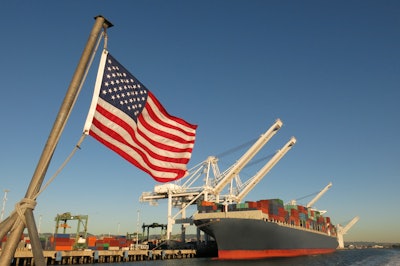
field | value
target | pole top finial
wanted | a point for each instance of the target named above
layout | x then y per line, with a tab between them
107	23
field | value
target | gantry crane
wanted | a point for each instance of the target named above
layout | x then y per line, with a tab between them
343	230
182	195
154	225
80	237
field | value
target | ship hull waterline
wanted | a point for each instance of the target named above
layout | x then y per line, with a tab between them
256	239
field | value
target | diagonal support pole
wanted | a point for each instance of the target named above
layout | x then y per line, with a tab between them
15	223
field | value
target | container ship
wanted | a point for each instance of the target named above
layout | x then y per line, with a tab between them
265	229
250	230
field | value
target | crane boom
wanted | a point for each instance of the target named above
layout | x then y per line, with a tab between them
247	156
319	195
343	230
349	225
267	167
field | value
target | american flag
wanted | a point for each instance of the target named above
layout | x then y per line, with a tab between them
127	118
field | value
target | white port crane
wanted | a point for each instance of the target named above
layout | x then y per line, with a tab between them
343	230
184	195
319	195
238	166
263	171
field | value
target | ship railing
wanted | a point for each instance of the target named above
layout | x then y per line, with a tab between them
298	227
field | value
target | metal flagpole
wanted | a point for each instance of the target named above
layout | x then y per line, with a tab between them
15	224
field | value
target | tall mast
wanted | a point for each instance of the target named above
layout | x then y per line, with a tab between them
4	204
18	222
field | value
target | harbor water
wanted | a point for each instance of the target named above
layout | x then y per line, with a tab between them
364	257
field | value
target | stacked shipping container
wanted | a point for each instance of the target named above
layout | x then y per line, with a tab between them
113	243
295	215
62	242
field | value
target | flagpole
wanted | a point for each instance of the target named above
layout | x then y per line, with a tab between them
25	209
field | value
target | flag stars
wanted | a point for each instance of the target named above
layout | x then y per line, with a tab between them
120	88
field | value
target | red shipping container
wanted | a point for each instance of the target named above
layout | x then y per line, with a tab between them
252	204
277	218
263	203
114	243
294	221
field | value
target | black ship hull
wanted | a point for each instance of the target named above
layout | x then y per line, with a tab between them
247	238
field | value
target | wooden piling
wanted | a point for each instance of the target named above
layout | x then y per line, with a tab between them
51	257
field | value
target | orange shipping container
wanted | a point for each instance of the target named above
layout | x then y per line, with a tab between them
91	241
207	203
61	248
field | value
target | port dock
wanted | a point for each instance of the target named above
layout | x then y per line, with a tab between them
25	257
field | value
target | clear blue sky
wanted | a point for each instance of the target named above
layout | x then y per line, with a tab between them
328	69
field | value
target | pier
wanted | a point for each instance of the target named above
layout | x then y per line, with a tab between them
25	257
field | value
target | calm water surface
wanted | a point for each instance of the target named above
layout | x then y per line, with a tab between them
363	257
